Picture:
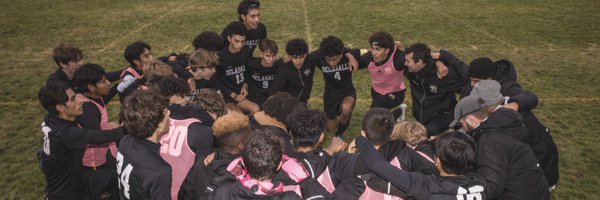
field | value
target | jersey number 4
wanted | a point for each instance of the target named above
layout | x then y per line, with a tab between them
337	76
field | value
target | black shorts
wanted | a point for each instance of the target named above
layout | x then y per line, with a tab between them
332	102
387	101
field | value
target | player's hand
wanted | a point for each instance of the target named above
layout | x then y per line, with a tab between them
513	105
398	44
113	125
352	61
209	159
286	59
244	91
442	70
336	145
192	84
435	56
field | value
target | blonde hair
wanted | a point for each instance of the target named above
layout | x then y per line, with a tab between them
412	132
230	123
203	59
157	68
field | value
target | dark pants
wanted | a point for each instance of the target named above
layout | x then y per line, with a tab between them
438	124
100	180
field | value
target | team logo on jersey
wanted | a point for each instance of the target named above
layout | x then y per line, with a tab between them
307	72
433	89
391	96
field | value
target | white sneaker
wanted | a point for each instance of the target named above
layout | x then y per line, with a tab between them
403	108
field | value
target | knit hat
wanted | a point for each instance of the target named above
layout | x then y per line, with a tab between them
482	68
488	91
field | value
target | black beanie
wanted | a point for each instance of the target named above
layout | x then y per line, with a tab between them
482	68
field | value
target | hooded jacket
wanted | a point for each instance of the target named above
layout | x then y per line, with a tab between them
505	160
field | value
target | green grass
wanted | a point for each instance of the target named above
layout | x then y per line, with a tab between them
554	44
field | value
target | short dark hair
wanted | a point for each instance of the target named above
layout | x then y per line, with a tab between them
279	105
134	51
296	47
382	39
262	155
331	46
52	94
378	125
88	74
268	45
65	52
247	5
142	111
169	86
420	52
236	28
306	127
456	151
209	41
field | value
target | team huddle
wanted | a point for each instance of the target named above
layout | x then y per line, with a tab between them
219	123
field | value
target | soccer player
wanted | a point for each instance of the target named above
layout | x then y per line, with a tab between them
99	174
433	97
137	55
386	66
65	142
339	97
415	136
455	158
296	77
275	111
504	159
188	139
68	58
261	72
202	65
249	15
232	67
211	101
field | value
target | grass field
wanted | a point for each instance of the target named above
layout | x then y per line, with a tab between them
554	44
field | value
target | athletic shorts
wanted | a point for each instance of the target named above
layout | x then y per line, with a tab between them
387	101
332	102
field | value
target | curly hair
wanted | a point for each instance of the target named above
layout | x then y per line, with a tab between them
296	47
382	39
211	101
412	132
378	124
208	40
65	52
331	46
306	127
279	105
262	155
141	113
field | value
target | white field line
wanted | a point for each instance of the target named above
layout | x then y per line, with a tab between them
114	42
308	37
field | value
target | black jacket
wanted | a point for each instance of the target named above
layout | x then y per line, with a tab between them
505	160
297	82
60	157
433	96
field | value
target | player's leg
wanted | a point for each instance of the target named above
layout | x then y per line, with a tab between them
346	113
389	101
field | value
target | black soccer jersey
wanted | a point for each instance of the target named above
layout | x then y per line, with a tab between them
60	157
143	174
260	79
296	82
253	37
231	69
338	79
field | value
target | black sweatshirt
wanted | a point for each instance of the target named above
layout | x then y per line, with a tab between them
200	137
64	145
296	82
260	80
419	186
231	69
143	174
